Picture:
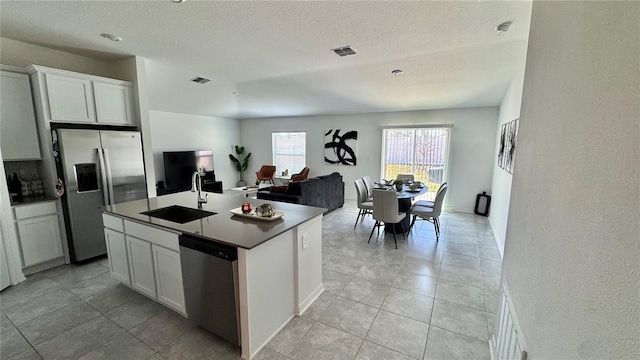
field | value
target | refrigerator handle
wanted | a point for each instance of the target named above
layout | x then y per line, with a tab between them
103	176
109	178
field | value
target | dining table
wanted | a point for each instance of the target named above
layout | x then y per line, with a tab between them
404	205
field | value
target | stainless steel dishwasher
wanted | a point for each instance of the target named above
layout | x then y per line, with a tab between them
210	278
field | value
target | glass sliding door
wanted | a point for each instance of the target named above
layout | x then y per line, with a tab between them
421	151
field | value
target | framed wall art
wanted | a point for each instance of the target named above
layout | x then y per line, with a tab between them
340	147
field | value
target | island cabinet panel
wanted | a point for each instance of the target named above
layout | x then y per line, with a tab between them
266	291
308	263
143	276
169	278
117	253
147	259
69	99
163	238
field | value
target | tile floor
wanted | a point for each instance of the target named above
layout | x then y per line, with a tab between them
425	300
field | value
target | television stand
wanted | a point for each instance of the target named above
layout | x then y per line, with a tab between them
210	186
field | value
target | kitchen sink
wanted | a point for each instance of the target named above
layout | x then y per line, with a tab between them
178	214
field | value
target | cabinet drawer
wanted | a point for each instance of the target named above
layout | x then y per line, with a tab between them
113	222
33	210
160	237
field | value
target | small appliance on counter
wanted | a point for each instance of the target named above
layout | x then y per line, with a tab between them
31	187
15	187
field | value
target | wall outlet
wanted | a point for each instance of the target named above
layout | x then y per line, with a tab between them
305	241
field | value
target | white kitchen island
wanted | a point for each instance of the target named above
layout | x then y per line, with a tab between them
279	265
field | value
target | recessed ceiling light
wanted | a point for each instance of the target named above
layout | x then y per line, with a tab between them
397	72
177	1
111	37
234	93
504	27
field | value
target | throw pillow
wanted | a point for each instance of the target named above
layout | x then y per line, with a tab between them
278	189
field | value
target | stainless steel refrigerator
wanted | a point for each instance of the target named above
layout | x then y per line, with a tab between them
99	167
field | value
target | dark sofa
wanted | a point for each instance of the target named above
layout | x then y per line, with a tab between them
325	191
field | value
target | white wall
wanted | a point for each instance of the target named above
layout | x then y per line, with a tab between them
471	153
21	54
572	248
177	132
501	180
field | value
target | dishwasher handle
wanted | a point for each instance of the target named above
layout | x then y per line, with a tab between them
222	251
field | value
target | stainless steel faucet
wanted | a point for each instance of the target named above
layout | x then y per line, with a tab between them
196	185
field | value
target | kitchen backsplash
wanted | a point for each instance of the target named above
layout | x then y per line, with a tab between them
23	168
30	183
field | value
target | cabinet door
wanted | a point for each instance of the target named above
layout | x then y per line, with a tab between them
113	104
117	252
141	266
18	135
169	278
70	99
39	239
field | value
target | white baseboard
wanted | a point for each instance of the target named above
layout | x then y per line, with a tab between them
304	305
492	347
498	238
43	266
269	339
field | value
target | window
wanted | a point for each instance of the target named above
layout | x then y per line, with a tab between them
421	151
289	151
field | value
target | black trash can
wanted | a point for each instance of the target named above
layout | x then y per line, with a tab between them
482	204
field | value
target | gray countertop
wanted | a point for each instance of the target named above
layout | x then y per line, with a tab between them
223	227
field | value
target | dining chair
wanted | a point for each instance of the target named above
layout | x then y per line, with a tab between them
403	177
369	185
428	203
266	173
431	214
385	210
365	205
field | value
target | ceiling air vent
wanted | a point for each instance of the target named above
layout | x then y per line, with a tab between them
344	51
200	80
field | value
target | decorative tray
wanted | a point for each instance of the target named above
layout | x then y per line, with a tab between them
252	215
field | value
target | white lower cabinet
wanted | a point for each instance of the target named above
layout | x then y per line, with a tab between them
147	259
117	252
39	232
169	277
143	277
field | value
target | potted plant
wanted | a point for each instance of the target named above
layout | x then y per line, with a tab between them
398	184
241	163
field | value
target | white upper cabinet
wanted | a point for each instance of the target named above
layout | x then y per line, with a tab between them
113	105
18	133
69	99
65	96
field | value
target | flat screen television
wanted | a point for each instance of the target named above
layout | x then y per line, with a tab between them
180	165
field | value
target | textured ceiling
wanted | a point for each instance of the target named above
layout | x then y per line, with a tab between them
277	56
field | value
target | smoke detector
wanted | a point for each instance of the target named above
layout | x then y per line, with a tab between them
344	51
504	27
200	80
